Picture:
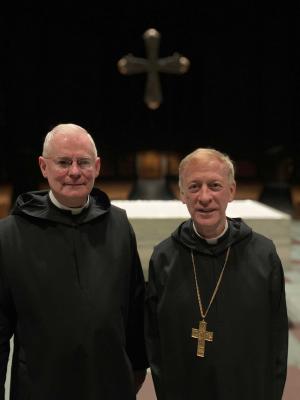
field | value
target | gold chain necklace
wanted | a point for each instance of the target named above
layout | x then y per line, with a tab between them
201	333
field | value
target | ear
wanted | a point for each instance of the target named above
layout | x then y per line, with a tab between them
43	166
97	166
182	196
232	189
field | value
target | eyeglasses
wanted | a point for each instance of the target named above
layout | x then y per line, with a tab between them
66	163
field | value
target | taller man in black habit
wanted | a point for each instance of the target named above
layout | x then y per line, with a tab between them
216	318
71	284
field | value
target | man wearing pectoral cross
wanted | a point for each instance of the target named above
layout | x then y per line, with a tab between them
216	318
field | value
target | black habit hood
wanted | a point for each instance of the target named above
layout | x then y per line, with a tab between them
71	293
236	232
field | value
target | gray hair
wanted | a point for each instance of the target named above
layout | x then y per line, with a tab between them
202	153
66	129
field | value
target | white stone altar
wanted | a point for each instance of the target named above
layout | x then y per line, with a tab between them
154	220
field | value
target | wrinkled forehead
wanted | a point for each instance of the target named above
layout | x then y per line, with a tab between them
70	142
205	163
206	168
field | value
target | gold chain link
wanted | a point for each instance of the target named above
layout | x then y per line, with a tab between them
204	314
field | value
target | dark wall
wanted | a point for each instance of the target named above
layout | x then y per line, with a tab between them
59	65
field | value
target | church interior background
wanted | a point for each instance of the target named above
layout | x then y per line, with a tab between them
239	95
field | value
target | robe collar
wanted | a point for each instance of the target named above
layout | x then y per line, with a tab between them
211	240
74	210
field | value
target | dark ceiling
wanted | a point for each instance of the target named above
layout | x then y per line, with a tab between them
241	93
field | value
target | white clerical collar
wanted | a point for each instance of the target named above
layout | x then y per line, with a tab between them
211	240
74	210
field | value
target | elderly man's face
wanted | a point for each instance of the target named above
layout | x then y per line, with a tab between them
71	168
206	191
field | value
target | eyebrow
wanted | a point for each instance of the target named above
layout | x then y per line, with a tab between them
73	158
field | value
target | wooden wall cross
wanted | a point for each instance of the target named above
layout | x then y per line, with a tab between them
152	65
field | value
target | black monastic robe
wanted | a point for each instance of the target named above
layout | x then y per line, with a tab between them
71	293
247	359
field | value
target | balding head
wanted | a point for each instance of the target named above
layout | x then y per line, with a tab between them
65	129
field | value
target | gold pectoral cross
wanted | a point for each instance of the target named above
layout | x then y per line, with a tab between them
202	334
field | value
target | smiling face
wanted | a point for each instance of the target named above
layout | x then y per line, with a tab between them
206	191
71	167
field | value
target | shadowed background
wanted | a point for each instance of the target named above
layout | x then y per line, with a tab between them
240	95
59	64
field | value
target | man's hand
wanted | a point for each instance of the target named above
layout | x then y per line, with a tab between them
139	377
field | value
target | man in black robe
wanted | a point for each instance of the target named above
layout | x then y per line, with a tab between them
216	318
71	284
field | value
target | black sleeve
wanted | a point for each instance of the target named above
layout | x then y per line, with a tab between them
7	323
279	327
152	332
135	339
